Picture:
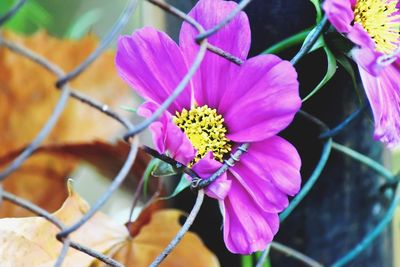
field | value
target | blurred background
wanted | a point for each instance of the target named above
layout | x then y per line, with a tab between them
73	19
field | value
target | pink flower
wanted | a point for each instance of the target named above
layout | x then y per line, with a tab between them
223	106
373	25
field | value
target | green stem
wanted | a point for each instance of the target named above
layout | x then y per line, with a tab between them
150	167
289	42
365	160
247	260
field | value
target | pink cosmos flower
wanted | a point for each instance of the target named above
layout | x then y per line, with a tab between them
223	106
373	25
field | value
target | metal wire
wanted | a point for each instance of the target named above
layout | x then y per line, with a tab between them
119	24
197	184
12	12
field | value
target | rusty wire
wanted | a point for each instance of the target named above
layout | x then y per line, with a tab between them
132	130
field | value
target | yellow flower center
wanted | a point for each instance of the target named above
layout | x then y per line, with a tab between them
378	19
205	130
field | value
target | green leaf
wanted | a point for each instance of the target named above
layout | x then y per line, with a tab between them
83	24
287	43
182	185
130	109
29	18
330	71
163	169
317	10
152	164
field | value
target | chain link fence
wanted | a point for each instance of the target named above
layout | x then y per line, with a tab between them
66	92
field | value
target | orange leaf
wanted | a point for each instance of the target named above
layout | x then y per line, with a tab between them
27	98
41	179
155	235
31	241
28	94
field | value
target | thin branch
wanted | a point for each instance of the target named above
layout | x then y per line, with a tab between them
185	227
107	194
295	254
121	22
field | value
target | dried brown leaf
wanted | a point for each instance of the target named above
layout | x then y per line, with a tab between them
42	178
154	235
31	241
28	94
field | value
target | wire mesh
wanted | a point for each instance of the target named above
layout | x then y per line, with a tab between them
132	130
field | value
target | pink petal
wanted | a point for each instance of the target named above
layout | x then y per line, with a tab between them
278	160
261	189
262	100
234	38
365	55
269	172
383	93
360	36
340	14
247	228
167	137
153	65
205	168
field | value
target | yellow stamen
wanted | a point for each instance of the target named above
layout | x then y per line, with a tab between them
205	130
378	19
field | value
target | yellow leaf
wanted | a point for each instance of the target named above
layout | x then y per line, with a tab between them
31	241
